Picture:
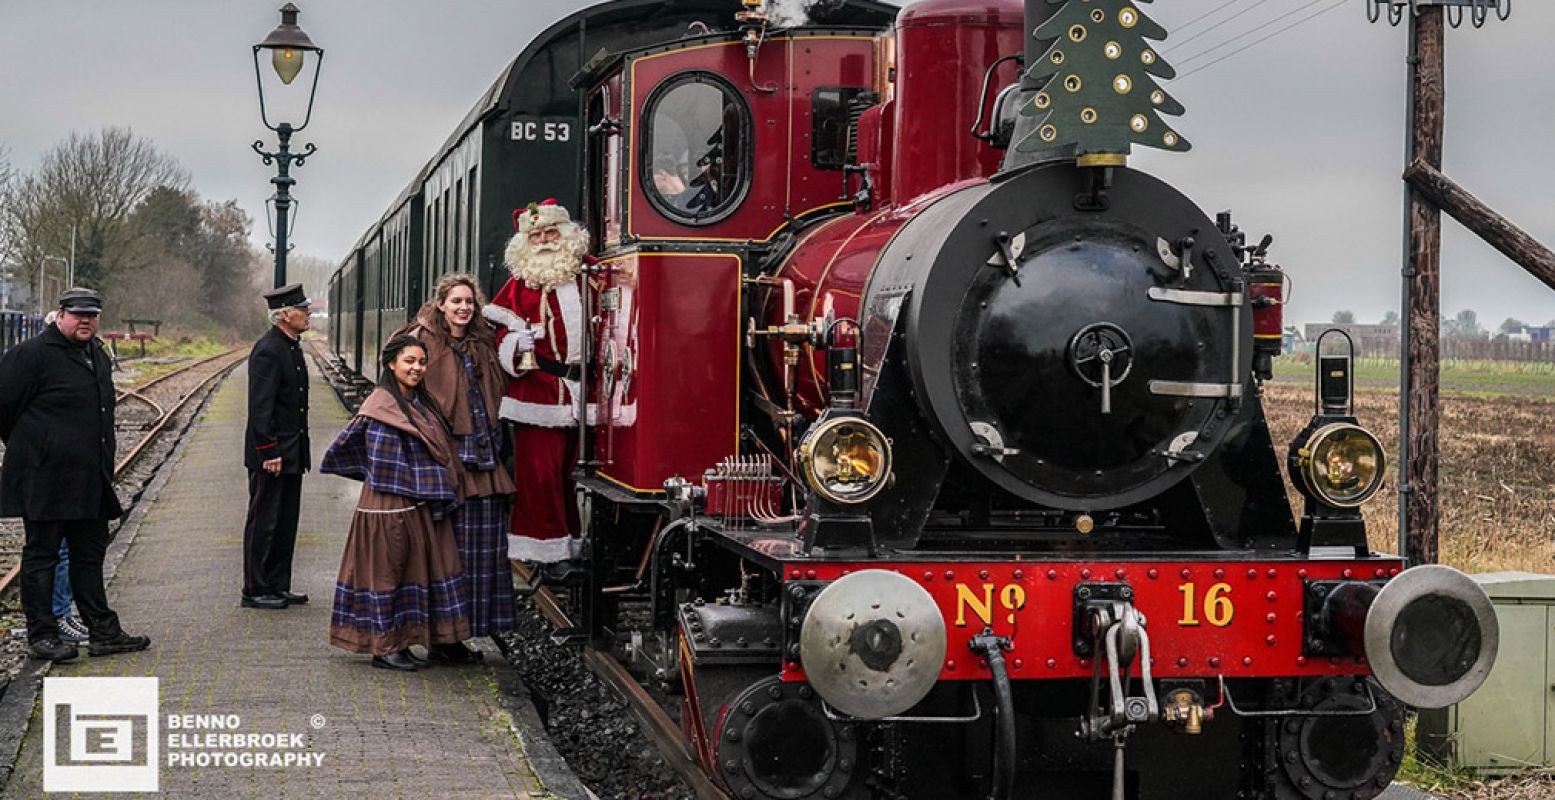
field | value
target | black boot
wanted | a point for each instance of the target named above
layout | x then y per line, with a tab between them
414	659
397	661
120	642
52	650
455	653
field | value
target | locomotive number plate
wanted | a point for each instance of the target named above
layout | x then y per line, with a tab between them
1218	608
1231	618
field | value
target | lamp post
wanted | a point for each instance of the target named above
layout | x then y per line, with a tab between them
69	268
288	46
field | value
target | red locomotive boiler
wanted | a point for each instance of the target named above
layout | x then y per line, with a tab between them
930	460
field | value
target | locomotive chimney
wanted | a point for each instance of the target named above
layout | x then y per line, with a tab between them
1037	12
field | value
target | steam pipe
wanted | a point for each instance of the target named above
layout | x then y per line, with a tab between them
992	647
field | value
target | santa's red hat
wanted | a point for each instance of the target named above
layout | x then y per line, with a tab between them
540	215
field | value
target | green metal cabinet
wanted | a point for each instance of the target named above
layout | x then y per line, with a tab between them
1506	725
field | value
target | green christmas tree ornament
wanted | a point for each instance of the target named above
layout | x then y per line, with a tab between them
1099	90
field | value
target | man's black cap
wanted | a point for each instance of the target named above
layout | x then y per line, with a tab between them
290	295
77	300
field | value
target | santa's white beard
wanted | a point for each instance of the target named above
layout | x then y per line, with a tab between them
547	266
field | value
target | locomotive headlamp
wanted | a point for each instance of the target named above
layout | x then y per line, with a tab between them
846	459
1342	464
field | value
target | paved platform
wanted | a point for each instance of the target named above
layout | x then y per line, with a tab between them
440	732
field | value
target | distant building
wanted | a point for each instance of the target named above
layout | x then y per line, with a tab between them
14	294
1370	340
1291	340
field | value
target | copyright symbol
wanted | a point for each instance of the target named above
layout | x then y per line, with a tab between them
317	721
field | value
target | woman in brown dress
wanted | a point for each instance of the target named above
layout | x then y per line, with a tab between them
465	384
400	581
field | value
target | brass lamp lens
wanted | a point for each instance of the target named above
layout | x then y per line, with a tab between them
1344	464
846	460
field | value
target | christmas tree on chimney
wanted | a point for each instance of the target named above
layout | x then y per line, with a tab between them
1099	90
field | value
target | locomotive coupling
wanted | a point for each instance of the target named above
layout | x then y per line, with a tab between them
1430	634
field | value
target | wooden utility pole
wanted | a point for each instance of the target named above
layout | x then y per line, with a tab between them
1427	192
1422	277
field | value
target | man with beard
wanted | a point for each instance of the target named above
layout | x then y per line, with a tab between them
276	452
539	319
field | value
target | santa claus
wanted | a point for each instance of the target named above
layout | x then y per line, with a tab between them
539	319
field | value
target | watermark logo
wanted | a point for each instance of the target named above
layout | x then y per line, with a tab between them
100	734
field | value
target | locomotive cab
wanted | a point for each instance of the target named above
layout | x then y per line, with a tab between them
704	156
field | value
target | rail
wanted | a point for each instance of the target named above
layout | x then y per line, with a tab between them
7	582
656	725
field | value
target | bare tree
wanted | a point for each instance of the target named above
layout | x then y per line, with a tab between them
313	272
7	176
91	183
1463	326
193	265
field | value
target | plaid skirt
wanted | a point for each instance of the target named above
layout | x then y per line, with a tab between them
400	582
480	529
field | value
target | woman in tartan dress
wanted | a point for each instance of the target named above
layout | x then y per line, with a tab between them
465	384
400	580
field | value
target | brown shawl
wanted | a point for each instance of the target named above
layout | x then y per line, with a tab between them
445	376
381	407
445	382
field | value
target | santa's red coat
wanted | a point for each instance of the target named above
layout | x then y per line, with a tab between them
545	408
536	397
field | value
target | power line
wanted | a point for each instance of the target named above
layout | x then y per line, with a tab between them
1247	33
1179	45
1249	45
1190	23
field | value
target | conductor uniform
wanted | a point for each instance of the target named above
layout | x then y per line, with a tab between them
56	419
276	452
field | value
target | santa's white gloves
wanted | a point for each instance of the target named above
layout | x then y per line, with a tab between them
526	339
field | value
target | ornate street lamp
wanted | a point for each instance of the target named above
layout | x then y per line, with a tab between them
289	47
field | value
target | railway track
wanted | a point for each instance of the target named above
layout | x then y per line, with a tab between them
166	397
658	727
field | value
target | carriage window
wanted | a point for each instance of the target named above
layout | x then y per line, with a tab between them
695	149
833	112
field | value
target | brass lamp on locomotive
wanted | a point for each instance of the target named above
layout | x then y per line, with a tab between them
929	433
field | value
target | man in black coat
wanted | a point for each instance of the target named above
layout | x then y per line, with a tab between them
276	452
56	419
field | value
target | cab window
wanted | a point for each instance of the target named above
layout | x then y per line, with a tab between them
695	148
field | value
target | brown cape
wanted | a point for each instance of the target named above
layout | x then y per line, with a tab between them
381	407
445	383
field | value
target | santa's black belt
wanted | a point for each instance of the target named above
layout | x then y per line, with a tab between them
568	372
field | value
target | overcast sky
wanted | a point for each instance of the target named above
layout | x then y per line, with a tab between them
1301	135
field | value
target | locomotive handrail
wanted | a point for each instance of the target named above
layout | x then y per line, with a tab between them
1225	694
982	100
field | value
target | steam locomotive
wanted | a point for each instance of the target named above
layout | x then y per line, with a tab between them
924	455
